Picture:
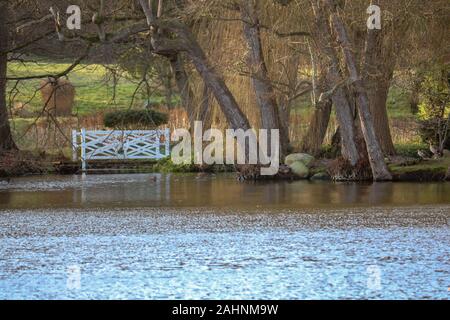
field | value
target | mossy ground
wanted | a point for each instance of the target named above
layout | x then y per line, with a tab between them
432	166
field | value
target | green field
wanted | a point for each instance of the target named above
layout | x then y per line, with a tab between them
397	104
95	90
94	87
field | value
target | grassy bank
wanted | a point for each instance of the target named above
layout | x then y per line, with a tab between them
27	163
427	170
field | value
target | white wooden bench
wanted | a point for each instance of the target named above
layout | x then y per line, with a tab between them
119	145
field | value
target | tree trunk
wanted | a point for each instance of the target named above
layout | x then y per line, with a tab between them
380	170
414	101
205	114
284	114
168	77
334	80
345	119
378	99
233	113
182	81
286	101
6	140
264	92
378	72
313	140
336	144
317	130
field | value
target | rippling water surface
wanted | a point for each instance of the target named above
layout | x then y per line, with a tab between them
203	237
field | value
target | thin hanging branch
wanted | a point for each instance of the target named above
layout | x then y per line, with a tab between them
58	25
160	9
98	19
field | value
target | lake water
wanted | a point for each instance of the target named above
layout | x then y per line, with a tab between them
155	236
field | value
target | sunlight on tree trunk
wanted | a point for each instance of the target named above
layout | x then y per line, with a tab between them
380	170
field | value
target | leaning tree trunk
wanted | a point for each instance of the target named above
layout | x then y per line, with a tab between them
230	108
170	37
378	72
182	81
344	114
264	92
380	170
6	140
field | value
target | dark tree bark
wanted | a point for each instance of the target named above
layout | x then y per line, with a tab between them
284	113
380	170
317	130
379	66
6	140
313	140
182	81
414	101
264	92
205	114
336	143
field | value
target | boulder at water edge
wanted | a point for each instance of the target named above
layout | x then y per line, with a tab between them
299	169
306	159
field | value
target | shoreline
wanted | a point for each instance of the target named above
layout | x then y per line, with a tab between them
406	174
26	164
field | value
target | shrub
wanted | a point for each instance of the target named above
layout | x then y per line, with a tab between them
435	130
135	119
410	150
434	110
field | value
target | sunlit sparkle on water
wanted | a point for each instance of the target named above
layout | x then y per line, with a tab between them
221	252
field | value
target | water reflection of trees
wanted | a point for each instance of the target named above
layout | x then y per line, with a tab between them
198	190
